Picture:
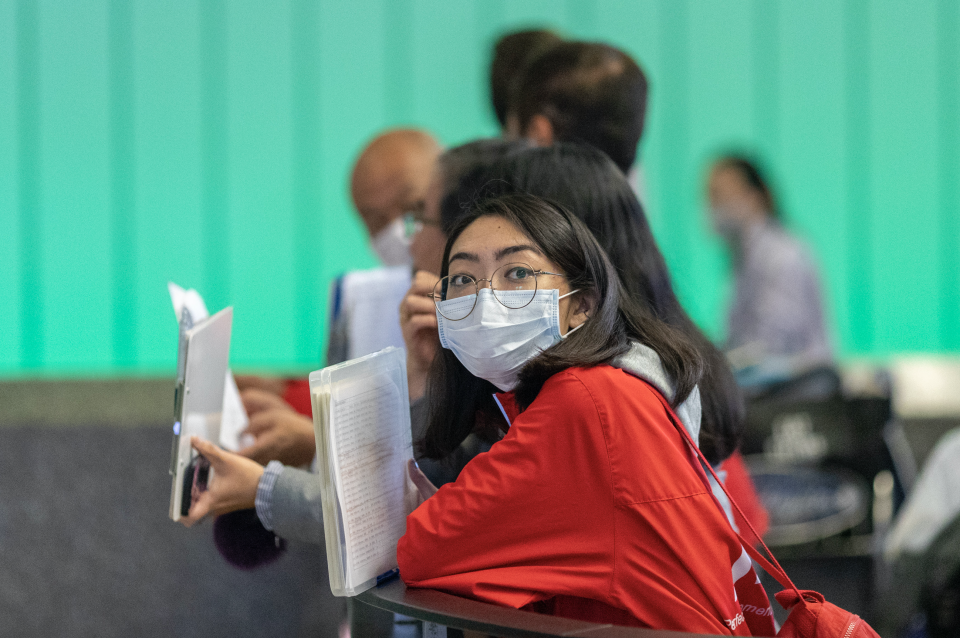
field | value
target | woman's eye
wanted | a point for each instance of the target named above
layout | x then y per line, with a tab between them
519	273
461	280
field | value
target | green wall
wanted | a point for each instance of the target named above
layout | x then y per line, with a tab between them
208	142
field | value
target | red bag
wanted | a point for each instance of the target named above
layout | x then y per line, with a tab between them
811	616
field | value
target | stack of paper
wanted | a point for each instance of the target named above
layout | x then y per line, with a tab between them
361	413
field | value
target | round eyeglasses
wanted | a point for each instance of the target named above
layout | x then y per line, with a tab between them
513	285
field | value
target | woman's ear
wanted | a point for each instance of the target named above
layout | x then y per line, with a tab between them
582	307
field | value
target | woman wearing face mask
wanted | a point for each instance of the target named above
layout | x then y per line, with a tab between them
587	183
589	507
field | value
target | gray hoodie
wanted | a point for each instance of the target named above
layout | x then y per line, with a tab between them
643	363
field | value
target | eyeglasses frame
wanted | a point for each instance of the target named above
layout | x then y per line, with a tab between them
476	282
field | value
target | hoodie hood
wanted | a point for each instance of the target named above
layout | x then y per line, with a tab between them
643	363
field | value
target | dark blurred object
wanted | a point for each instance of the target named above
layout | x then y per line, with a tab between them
823	472
92	553
926	402
244	542
585	92
512	54
821	382
923	597
809	504
940	596
792	425
911	440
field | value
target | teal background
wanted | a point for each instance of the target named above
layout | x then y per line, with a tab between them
208	142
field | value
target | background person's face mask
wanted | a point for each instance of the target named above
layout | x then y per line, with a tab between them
392	245
724	222
494	342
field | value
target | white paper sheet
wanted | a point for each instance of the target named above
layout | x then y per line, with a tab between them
371	466
234	419
371	303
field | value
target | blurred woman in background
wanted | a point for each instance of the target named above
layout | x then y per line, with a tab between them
776	318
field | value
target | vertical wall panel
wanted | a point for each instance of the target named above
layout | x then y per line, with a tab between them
635	28
721	118
581	17
948	162
534	13
214	144
10	249
451	99
905	220
810	172
766	37
209	143
168	168
307	169
858	172
672	104
74	169
489	23
397	27
259	200
29	305
350	112
125	294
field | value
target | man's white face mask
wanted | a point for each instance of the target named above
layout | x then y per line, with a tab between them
392	245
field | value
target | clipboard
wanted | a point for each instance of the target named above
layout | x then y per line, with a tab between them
202	361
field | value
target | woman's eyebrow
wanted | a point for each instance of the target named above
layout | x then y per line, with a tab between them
509	250
465	256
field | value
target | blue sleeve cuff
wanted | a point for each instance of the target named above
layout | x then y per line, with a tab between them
265	493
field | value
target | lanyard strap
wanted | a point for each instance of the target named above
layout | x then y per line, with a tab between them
773	569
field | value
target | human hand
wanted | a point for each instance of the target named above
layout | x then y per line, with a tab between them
424	486
256	400
271	385
280	434
418	323
233	484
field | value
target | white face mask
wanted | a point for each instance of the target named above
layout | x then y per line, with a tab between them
392	245
723	223
494	342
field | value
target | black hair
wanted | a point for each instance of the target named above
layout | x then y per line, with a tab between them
461	403
585	181
468	159
512	54
753	177
591	92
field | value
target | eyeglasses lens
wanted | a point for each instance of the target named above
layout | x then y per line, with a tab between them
455	296
514	286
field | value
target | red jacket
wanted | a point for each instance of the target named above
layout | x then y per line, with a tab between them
589	508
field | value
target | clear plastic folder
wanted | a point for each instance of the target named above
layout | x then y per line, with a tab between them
201	368
361	414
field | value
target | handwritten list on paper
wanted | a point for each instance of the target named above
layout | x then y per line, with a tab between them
370	462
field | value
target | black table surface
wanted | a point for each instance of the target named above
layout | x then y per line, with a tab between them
453	611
